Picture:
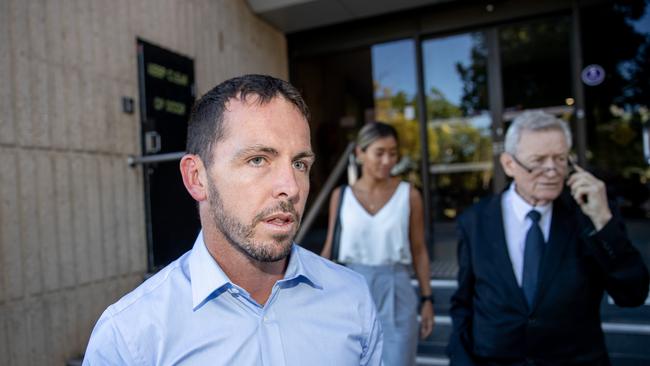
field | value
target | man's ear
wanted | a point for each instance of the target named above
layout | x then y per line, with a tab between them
194	177
507	164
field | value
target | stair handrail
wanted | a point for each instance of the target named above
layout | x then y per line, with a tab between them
324	193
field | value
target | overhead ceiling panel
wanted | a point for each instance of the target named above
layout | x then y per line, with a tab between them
297	15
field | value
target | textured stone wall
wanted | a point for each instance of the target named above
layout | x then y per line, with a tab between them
72	235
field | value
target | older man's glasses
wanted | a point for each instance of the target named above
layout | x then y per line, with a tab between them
561	164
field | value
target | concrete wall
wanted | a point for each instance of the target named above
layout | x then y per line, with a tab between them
72	235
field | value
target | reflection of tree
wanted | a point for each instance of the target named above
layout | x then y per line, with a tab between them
474	77
535	63
452	140
623	53
618	108
439	107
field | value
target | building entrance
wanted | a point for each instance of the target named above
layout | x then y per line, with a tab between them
473	83
166	97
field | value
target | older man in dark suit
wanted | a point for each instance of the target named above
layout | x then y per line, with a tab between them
535	261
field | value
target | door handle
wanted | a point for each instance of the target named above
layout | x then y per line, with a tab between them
646	143
152	142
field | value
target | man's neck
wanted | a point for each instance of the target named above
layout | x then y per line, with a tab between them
531	200
256	277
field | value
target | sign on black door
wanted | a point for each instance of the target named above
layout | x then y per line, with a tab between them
166	81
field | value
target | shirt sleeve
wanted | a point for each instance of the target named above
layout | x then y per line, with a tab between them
374	341
107	346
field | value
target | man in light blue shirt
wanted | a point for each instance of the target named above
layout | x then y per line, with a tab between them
245	294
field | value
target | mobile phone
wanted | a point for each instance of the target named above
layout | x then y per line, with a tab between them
572	169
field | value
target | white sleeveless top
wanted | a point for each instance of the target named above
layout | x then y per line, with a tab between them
378	239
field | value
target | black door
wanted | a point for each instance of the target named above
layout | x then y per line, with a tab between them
166	97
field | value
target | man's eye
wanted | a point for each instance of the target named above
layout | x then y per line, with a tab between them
300	165
256	161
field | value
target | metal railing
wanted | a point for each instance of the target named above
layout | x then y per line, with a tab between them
150	159
324	193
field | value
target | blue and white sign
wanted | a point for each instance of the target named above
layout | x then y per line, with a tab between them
593	75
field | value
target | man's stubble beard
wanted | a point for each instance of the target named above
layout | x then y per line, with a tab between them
240	235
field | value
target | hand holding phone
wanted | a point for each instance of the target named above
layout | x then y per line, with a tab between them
591	195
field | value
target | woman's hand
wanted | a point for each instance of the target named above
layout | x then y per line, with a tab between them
426	319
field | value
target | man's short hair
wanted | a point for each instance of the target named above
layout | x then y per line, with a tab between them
534	121
206	128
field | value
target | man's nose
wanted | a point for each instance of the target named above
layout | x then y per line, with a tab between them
286	183
550	167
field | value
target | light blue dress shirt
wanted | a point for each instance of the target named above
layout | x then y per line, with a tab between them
191	314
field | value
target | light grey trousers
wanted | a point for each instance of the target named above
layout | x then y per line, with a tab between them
396	303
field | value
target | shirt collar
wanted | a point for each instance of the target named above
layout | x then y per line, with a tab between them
205	274
208	279
521	208
298	271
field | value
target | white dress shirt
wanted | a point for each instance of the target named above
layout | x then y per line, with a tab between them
516	225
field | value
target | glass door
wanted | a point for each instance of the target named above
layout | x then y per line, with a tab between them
536	66
528	66
617	109
459	134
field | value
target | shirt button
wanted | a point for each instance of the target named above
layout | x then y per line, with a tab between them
532	320
266	319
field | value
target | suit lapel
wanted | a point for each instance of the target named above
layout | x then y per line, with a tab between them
562	233
494	232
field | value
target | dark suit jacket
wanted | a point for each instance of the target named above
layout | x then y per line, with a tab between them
492	321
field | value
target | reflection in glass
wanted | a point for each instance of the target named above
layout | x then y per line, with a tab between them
536	64
618	110
458	122
395	90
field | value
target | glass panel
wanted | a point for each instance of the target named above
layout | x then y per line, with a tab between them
618	108
395	91
459	133
337	87
536	64
458	122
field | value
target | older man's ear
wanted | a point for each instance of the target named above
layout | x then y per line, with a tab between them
506	163
194	177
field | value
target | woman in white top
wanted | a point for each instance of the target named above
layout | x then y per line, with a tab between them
381	236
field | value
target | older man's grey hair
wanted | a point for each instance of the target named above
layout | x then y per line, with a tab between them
534	121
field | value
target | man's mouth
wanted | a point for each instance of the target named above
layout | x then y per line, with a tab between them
280	219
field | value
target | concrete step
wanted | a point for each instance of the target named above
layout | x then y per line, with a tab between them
627	330
612	313
431	361
435	344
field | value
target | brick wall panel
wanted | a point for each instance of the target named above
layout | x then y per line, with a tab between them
30	238
37	30
64	218
46	200
7	123
92	194
11	268
109	224
80	220
54	31
18	342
